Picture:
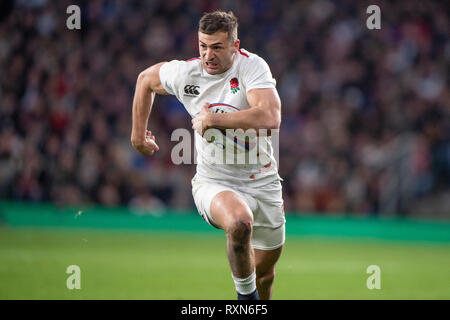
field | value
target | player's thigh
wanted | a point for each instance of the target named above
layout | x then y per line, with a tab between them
265	261
219	205
228	207
267	238
268	244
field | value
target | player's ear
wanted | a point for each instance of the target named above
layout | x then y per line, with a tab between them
237	42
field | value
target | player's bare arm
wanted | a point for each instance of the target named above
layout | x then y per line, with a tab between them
147	86
265	113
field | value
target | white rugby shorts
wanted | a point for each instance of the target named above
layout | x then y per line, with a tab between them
266	204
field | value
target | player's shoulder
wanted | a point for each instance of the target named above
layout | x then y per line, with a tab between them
250	60
186	67
193	62
192	65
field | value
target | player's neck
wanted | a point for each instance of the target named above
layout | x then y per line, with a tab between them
231	63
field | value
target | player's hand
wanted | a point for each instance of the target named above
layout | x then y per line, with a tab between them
200	122
148	146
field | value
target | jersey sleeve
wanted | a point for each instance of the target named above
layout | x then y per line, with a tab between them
169	75
258	75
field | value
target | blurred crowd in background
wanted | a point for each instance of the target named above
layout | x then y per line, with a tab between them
365	126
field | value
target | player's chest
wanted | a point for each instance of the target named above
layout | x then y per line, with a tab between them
229	90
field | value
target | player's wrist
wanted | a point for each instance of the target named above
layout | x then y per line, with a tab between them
210	120
137	139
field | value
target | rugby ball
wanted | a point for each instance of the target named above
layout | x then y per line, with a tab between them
231	140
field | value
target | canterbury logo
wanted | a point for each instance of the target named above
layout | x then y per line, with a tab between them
191	90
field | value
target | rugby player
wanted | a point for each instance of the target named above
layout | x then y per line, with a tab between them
244	200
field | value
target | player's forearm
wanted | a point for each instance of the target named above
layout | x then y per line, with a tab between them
142	106
253	118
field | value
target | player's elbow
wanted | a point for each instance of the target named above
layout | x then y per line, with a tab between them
276	122
272	120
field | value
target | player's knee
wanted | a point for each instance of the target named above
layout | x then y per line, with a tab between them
240	229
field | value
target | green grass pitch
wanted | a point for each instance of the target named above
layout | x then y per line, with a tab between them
175	265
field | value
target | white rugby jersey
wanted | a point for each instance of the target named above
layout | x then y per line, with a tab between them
193	87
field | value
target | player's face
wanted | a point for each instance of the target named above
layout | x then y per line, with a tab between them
217	51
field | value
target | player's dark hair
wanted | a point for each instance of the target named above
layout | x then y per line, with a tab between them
215	21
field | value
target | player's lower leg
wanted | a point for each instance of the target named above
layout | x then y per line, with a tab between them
264	284
242	260
231	214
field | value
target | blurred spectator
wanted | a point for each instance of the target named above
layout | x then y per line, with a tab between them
365	112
